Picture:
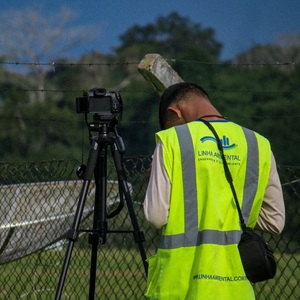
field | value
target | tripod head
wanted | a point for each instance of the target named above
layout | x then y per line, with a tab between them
102	123
103	126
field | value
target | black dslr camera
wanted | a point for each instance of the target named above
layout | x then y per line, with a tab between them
106	105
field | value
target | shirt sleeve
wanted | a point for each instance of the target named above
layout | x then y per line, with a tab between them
272	214
156	203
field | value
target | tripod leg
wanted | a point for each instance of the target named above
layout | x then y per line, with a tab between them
100	222
137	233
73	233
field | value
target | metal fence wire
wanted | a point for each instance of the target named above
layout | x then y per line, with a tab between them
38	203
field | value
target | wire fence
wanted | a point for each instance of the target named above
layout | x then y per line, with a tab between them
38	203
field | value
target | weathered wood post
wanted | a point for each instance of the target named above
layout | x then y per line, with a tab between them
158	72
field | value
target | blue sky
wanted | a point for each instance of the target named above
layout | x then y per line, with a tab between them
238	24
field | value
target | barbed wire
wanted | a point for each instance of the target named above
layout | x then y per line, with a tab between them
230	63
140	122
70	64
6	90
91	64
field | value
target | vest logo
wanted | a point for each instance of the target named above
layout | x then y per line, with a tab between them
224	141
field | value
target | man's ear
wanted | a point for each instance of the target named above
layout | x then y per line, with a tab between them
175	112
174	117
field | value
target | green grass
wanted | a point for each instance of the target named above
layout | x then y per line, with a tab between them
120	275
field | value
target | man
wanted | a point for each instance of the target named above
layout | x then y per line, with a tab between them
189	198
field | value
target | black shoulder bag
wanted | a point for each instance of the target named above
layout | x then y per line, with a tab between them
256	255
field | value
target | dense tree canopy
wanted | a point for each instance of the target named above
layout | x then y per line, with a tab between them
173	36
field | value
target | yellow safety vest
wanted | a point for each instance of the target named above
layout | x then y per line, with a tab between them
198	256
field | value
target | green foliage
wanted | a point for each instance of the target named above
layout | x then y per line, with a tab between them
140	121
172	36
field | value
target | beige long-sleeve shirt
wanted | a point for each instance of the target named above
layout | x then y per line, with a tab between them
156	205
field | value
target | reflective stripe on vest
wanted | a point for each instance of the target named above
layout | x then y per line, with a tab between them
191	233
251	181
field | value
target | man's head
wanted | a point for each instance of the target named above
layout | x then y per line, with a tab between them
181	103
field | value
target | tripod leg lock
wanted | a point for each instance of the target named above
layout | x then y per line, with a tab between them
93	238
139	236
72	235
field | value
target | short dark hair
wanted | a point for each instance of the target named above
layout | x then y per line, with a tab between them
175	93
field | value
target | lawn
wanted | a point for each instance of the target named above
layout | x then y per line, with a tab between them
120	275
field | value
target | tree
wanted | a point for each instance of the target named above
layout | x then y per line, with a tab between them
34	40
171	36
285	50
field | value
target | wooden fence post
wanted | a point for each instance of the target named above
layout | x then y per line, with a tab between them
158	72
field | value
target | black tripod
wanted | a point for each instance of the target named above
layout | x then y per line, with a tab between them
97	165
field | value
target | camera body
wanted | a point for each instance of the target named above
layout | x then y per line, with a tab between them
105	104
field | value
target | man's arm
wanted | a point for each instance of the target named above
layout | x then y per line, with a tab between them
272	214
156	203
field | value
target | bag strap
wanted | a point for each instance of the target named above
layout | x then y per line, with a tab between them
227	171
